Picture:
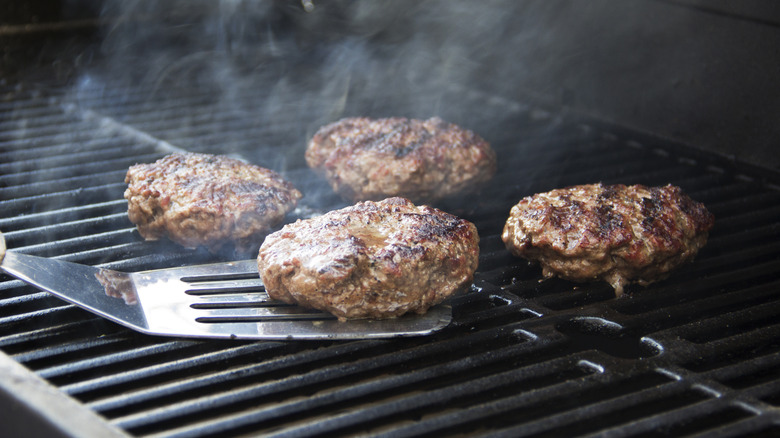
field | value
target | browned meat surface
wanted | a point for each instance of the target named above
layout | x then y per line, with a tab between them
371	159
209	200
371	260
621	234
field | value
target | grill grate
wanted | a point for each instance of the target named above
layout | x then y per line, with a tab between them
694	354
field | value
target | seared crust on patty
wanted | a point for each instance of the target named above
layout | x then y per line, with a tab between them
621	234
371	260
210	200
423	160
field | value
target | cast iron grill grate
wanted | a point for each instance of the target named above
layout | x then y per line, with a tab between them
695	354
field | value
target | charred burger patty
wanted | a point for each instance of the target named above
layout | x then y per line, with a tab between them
371	260
423	160
621	234
210	200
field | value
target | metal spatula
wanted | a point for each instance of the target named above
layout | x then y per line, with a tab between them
221	300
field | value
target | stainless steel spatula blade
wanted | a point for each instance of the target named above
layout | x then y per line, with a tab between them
219	300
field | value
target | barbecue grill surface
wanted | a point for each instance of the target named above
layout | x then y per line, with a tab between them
697	353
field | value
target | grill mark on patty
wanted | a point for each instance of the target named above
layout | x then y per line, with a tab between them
371	260
424	160
210	200
618	233
609	221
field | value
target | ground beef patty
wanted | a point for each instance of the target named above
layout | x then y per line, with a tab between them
371	159
371	260
621	234
209	200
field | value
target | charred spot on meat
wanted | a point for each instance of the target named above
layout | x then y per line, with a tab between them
210	200
423	160
617	233
371	260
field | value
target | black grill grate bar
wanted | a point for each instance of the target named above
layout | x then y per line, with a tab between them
753	425
759	248
634	172
742	220
206	121
81	346
351	392
28	143
752	372
23	101
63	199
111	225
432	353
11	305
18	300
213	137
34	115
69	158
674	319
87	389
43	317
739	279
631	415
764	202
590	154
36	189
14	342
198	116
33	219
733	349
27	110
125	354
223	378
31	131
133	101
767	393
765	231
540	381
736	321
27	303
546	409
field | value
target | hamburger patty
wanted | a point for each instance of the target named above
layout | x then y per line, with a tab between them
210	200
371	159
371	260
621	234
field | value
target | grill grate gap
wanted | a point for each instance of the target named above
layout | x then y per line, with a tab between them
292	381
537	407
695	424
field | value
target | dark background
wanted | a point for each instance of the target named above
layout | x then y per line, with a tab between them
703	72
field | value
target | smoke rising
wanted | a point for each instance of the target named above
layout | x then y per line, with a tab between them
256	79
311	66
